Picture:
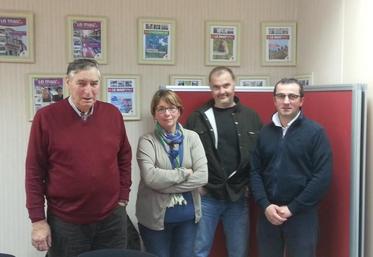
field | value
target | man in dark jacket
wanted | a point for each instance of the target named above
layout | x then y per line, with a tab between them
291	171
228	131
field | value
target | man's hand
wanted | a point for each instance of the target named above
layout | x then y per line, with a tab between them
202	191
41	235
274	214
284	212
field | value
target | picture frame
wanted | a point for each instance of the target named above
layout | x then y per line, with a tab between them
222	43
17	37
87	38
279	43
156	41
43	90
252	81
188	80
123	91
305	79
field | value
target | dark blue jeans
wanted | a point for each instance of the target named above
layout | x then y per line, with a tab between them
70	240
176	240
297	236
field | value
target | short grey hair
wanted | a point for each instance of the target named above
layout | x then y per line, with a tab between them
81	64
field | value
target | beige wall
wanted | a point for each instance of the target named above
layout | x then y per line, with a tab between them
319	40
326	46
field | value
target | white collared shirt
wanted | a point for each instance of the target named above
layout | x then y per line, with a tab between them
277	122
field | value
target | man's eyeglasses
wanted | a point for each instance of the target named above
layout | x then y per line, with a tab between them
292	97
172	109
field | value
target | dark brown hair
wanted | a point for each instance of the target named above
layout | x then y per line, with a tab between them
220	69
290	81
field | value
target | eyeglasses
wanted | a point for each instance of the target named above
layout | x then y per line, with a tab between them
172	110
292	97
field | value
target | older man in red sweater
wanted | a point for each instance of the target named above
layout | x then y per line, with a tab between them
79	160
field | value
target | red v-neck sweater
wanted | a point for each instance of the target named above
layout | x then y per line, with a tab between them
81	167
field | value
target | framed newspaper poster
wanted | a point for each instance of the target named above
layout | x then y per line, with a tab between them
43	90
156	41
252	81
187	80
86	38
305	79
123	91
16	37
222	43
279	43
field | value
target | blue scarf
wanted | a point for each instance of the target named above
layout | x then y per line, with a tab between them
172	143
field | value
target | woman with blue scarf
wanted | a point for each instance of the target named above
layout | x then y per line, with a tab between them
172	166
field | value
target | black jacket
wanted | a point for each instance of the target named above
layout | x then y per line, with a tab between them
247	124
294	170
